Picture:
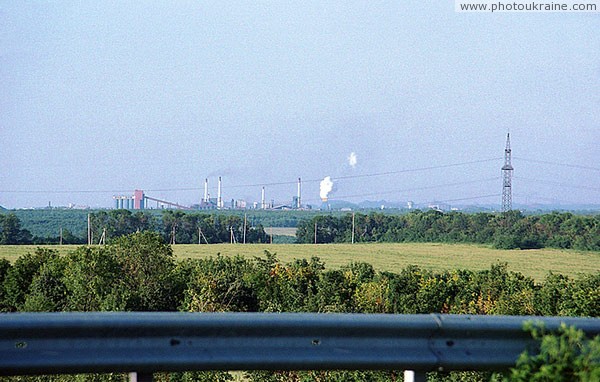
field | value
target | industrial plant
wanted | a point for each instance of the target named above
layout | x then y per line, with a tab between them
140	201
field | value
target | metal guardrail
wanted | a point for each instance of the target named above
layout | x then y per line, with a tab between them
64	343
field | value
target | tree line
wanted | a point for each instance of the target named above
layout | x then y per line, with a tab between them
173	226
509	230
45	224
138	272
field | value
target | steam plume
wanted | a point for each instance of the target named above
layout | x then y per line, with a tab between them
352	159
325	188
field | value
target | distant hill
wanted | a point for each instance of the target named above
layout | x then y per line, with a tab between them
2	208
470	208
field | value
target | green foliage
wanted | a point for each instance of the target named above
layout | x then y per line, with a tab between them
586	296
147	272
11	231
551	296
563	356
46	223
194	376
4	268
47	292
364	376
220	285
109	377
334	293
323	376
138	272
93	279
19	278
404	288
511	230
286	287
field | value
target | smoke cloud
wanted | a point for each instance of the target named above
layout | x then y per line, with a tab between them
325	188
352	159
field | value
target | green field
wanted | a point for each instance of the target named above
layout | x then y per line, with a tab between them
391	257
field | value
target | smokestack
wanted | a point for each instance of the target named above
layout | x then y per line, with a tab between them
262	198
299	193
205	191
219	200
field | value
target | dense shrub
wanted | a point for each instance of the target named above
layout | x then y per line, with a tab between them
563	356
138	272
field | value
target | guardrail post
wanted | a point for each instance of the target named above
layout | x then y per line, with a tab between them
140	377
412	376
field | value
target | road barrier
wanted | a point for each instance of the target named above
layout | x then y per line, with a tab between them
65	343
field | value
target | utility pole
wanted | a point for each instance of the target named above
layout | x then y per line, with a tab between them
89	232
61	236
353	228
201	234
507	170
315	232
173	234
103	237
245	225
299	202
219	198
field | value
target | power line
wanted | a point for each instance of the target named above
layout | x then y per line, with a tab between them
63	191
559	164
559	184
532	198
368	175
411	189
415	169
470	198
261	184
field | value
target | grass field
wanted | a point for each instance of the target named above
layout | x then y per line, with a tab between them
390	257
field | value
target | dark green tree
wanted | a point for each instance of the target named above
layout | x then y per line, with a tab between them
11	231
47	291
94	282
566	355
147	271
17	283
4	267
220	284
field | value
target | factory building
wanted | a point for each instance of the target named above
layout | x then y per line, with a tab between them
137	201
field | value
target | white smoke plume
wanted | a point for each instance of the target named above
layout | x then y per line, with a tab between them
352	159
325	188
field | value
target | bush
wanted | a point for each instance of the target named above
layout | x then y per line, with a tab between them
563	356
18	281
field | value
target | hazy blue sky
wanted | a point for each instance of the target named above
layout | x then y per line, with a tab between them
105	97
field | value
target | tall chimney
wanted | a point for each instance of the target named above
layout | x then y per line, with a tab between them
205	200
219	200
262	198
299	188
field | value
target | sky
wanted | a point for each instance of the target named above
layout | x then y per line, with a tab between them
100	98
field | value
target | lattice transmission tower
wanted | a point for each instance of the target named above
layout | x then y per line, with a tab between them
507	170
